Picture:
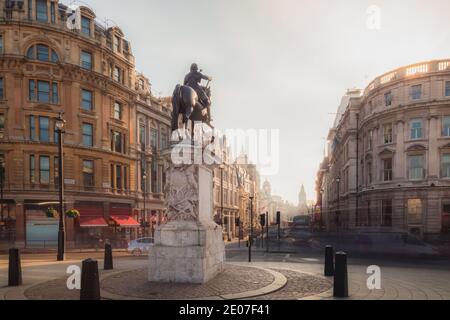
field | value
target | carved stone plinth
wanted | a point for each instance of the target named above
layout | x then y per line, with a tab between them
190	247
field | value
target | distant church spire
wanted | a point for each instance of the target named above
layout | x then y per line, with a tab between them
302	197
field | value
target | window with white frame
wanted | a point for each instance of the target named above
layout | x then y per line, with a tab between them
445	164
416	126
118	112
446	127
387	169
416	167
388	133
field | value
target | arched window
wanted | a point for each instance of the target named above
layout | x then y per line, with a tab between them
42	52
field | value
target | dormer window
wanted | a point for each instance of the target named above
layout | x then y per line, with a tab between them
117	42
41	10
53	12
86	26
141	84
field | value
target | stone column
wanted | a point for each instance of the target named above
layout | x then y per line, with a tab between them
433	161
399	158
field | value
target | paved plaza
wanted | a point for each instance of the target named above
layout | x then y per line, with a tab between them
271	276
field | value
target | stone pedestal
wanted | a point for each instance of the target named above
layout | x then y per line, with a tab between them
190	247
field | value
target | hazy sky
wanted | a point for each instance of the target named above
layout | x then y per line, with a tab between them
279	64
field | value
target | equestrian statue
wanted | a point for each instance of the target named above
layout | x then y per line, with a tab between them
192	100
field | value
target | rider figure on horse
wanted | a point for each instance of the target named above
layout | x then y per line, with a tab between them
193	80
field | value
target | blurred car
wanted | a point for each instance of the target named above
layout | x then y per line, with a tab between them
140	246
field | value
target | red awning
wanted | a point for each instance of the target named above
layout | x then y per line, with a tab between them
125	221
92	222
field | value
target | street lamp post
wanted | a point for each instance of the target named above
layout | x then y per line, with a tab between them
144	176
251	230
222	167
60	122
338	212
2	177
322	191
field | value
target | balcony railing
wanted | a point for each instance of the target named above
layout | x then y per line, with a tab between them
409	71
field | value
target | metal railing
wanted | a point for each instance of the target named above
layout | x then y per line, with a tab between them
41	244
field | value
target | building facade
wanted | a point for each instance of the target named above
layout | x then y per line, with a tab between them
235	182
388	164
88	74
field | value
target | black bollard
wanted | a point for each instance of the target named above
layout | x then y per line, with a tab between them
15	269
340	276
108	262
329	261
90	282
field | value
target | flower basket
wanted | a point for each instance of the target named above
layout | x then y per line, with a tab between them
72	214
51	213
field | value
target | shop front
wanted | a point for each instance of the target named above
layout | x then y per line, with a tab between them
90	226
123	226
41	231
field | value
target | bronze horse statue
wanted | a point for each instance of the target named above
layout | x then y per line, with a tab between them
185	101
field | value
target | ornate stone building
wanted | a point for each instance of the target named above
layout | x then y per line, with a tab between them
389	160
234	183
89	75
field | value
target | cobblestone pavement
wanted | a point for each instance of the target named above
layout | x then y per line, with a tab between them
52	290
299	285
235	279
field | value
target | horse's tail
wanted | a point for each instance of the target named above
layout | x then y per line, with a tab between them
176	99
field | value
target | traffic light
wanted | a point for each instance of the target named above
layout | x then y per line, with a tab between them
262	219
278	218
